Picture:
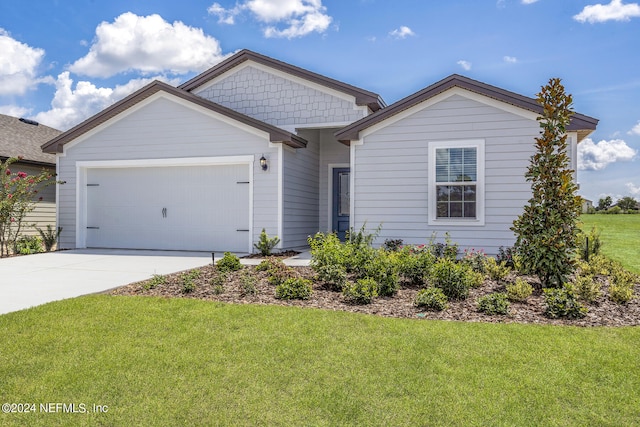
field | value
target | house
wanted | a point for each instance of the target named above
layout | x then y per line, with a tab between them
587	205
23	137
257	143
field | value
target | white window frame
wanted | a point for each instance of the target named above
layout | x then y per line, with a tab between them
478	144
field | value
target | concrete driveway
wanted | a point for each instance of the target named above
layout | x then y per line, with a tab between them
31	280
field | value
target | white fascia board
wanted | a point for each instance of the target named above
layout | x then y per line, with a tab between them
278	73
185	161
442	97
164	95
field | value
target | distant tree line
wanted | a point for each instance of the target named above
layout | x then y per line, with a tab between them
625	205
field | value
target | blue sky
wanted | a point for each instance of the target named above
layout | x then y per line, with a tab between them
62	61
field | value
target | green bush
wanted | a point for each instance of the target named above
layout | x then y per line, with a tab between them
328	259
49	237
563	302
493	304
454	279
497	271
188	280
363	291
248	282
266	244
270	263
621	293
594	243
156	280
228	263
414	264
280	274
475	259
294	288
587	289
431	299
384	270
392	245
519	291
27	245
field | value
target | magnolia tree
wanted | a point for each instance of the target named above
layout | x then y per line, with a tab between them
18	197
547	229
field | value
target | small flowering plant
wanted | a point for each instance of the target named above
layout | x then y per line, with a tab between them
475	259
18	197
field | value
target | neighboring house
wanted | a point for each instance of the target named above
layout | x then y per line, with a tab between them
23	137
587	205
181	168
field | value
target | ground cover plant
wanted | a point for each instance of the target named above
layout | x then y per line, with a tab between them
183	361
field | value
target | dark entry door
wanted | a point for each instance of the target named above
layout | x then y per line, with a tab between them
341	202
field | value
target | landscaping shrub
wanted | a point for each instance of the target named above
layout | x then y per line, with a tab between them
362	291
228	263
156	280
248	282
563	302
621	293
519	291
506	255
49	237
279	273
270	263
431	299
218	281
328	259
587	289
188	281
266	244
384	270
493	304
294	288
27	245
594	243
392	245
475	259
496	271
454	279
448	249
414	263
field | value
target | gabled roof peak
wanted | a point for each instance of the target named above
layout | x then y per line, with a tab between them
363	97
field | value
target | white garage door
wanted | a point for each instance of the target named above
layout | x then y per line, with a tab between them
201	208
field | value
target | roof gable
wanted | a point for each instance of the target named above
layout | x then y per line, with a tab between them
19	137
275	134
580	123
362	97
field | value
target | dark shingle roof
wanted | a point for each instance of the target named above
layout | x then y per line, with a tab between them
580	123
19	138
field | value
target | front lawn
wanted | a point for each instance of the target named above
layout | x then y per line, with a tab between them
157	361
620	235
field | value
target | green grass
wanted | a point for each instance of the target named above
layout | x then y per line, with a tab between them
157	361
621	237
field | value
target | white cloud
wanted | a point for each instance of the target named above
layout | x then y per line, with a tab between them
592	156
635	130
614	11
147	44
634	190
510	59
19	64
402	33
14	110
71	106
466	65
299	17
529	1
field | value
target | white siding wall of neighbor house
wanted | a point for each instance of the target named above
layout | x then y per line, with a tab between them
163	127
300	191
280	100
391	176
45	210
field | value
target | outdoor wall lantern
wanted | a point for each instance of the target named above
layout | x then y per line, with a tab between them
263	163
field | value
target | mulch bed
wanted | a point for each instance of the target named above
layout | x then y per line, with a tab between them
602	313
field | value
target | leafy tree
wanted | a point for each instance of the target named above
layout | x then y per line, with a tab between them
628	203
18	197
604	203
547	229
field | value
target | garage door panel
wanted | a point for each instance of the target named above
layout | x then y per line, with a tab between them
181	208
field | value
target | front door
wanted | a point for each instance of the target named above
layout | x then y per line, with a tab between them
341	202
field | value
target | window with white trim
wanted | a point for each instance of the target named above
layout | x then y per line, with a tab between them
456	188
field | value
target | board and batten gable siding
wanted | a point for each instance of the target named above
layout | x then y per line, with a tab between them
278	99
391	172
300	191
163	128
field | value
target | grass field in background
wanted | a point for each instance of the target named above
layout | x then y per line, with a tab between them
620	235
155	361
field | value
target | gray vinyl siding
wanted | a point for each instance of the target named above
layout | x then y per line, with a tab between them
279	101
332	152
300	192
391	173
44	212
166	129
